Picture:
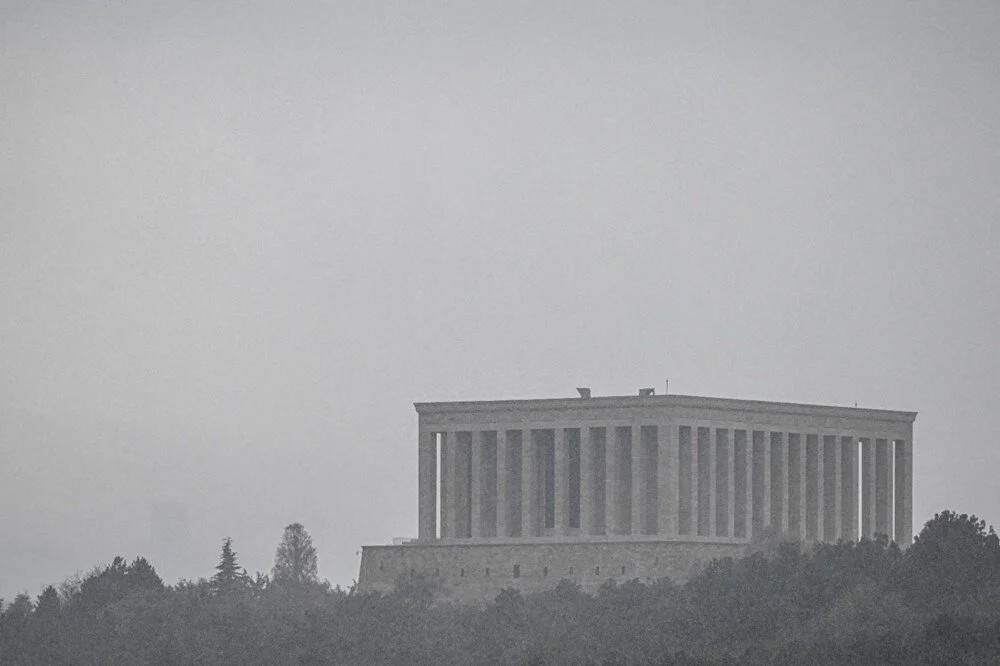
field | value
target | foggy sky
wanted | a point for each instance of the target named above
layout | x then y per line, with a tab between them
238	241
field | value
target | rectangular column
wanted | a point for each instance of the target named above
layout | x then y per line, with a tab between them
476	485
713	481
773	506
890	491
529	485
444	525
448	495
833	497
489	498
904	492
795	517
598	439
701	502
666	476
803	497
561	457
463	484
545	443
502	528
814	490
780	441
729	528
760	456
573	436
883	488
850	469
820	488
868	487
745	492
625	499
587	499
612	481
427	484
515	482
796	490
687	481
723	482
638	485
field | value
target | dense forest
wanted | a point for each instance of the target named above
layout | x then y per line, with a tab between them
866	602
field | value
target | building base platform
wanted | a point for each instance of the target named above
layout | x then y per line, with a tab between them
475	571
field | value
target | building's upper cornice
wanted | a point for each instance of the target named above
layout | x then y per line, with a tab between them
670	400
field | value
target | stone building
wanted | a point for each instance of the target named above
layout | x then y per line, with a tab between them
524	493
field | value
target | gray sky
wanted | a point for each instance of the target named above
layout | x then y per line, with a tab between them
237	241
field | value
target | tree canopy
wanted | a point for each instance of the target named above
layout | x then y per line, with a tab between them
228	575
295	559
860	602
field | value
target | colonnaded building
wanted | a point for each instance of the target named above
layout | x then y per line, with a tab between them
525	493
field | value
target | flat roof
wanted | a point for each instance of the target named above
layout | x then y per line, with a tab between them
669	400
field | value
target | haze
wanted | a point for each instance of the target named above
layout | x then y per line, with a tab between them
238	241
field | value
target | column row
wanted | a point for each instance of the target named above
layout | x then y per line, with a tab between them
677	480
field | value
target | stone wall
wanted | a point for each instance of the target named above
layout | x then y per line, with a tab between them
477	572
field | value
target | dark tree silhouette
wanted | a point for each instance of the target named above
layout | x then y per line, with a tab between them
20	609
856	602
954	557
47	606
295	560
142	575
104	586
228	577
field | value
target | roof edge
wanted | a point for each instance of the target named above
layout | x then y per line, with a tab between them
670	400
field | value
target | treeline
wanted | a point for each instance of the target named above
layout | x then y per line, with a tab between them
865	602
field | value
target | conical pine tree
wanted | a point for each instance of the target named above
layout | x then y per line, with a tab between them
228	576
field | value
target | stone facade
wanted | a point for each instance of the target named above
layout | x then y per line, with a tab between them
654	484
476	572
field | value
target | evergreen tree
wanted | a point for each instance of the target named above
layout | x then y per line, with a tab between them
102	587
295	560
20	609
228	576
955	557
142	575
47	605
15	640
45	628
